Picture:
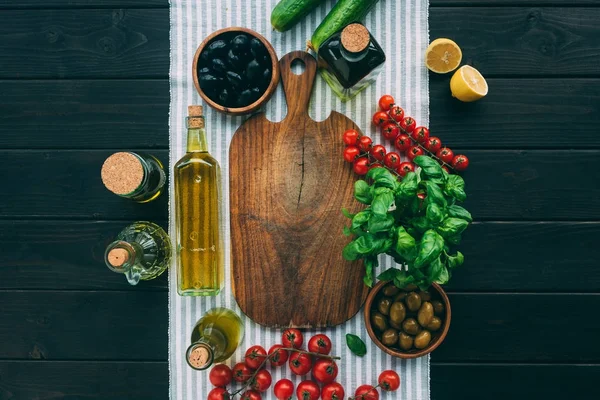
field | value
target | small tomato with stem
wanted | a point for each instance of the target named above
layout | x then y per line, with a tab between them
261	381
433	144
292	338
366	392
385	102
325	371
308	390
220	375
402	142
380	117
361	166
277	356
413	152
255	356
390	131
321	343
421	134
408	124
404	168
251	395
392	160
350	153
389	380
284	389
365	143
378	152
460	162
350	137
396	113
333	391
241	372
300	363
218	394
445	154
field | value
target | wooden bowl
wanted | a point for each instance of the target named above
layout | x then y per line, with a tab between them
262	99
437	338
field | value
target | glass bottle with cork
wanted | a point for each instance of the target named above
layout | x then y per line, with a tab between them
197	180
350	60
135	176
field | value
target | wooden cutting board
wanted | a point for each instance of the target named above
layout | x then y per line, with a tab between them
288	184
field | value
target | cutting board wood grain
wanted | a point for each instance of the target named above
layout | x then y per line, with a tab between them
288	184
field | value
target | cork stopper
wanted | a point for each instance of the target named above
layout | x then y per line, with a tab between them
196	119
355	38
199	357
122	173
117	257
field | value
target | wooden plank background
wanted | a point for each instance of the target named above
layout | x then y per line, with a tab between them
83	78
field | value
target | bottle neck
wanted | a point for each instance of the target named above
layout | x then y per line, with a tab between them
200	355
196	135
121	256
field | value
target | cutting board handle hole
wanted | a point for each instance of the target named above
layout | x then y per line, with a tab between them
298	66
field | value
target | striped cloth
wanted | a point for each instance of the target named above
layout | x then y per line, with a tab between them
401	27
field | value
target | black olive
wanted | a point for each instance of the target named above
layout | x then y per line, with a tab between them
218	47
257	48
256	93
209	82
240	42
265	80
224	97
265	60
245	98
253	70
218	65
205	56
203	70
233	60
234	79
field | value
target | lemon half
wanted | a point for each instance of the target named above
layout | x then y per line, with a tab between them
442	56
467	84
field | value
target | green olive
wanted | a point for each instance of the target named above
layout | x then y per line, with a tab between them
438	307
390	290
422	340
435	324
405	341
409	288
400	296
424	295
389	337
411	326
397	313
413	302
384	306
379	321
425	314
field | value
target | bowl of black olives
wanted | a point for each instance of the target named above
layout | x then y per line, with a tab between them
235	70
407	322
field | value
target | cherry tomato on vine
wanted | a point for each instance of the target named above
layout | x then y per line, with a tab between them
292	338
408	124
251	395
402	142
460	162
413	152
284	389
350	153
365	143
445	154
241	372
325	371
392	160
277	356
380	117
361	166
367	392
389	380
350	137
308	390
218	394
300	363
390	131
421	134
378	152
262	381
385	102
255	356
375	165
321	343
404	168
396	113
333	391
220	375
433	144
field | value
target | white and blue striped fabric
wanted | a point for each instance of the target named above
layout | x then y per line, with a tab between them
401	27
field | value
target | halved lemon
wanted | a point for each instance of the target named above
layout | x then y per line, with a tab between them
442	56
467	84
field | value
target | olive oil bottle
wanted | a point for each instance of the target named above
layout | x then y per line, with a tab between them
197	179
214	338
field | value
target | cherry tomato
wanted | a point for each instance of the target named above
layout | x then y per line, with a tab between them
385	102
218	394
255	356
325	371
389	380
408	124
378	153
361	166
413	152
392	160
251	395
367	392
421	134
375	165
380	117
365	143
405	167
220	375
390	131
262	380
277	356
402	142
292	338
241	372
460	162
321	343
350	153
433	144
308	390
284	389
300	363
350	137
445	154
397	113
333	391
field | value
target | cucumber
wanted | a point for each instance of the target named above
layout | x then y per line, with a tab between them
288	13
343	13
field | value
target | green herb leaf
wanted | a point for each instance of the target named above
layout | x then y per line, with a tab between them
434	193
435	214
380	223
381	203
430	167
456	261
408	187
460	212
370	264
347	231
452	226
360	219
347	213
388	274
430	248
421	224
355	344
438	272
403	279
455	187
406	247
383	178
362	191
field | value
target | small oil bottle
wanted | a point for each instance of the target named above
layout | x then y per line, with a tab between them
350	60
197	180
142	251
135	176
214	338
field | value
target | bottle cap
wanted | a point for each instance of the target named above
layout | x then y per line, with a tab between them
117	257
199	356
122	173
195	117
355	38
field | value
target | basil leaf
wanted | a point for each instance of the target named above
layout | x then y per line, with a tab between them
434	194
347	231
430	167
456	261
406	247
389	274
421	224
430	248
362	191
438	272
370	264
347	213
452	226
453	239
383	178
455	187
350	252
434	213
360	219
408	187
381	203
380	223
355	344
403	279
460	212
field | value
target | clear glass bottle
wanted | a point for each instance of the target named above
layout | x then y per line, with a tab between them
142	251
135	176
214	338
197	180
350	60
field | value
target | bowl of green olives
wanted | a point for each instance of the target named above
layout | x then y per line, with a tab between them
407	322
235	70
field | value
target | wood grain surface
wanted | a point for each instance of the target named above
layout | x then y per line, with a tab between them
288	185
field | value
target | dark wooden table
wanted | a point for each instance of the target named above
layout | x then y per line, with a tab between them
82	78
